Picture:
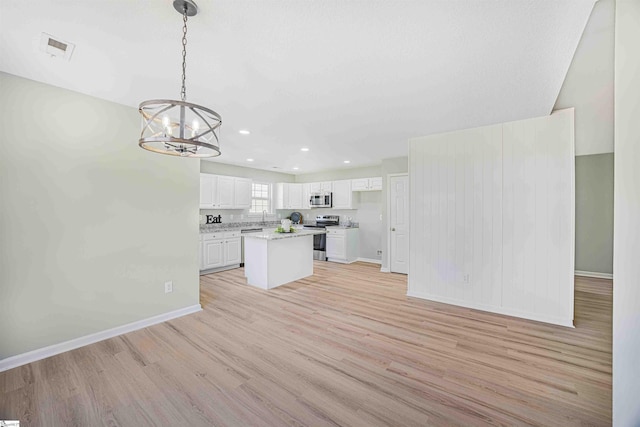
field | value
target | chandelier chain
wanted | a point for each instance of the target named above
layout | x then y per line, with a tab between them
183	91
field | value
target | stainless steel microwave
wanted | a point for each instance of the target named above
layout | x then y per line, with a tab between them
320	200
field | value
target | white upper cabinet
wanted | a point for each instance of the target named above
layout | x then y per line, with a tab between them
321	187
342	195
306	196
242	193
366	184
224	192
207	190
292	196
226	195
295	196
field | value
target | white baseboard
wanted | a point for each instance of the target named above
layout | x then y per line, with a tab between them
219	269
52	350
370	260
385	270
594	274
492	309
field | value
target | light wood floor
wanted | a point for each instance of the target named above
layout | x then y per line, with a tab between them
343	347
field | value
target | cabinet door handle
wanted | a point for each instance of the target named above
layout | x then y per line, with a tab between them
393	229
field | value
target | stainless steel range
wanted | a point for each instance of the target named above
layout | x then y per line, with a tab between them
320	240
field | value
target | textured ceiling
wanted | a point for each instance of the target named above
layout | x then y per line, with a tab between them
348	79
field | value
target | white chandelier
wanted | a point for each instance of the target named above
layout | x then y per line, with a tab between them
180	128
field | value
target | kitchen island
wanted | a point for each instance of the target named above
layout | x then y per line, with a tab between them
272	259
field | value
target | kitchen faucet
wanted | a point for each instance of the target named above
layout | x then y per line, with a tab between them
263	214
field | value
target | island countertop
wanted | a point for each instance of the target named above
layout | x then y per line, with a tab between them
272	235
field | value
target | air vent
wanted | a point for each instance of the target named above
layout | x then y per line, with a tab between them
53	46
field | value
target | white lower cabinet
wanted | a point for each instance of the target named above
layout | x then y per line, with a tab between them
342	244
220	250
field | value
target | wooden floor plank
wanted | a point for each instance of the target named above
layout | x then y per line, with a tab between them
344	347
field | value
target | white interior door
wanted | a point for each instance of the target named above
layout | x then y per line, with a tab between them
399	223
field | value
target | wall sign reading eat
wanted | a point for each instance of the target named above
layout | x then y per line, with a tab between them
214	219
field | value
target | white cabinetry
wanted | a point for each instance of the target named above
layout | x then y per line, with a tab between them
224	192
220	250
292	196
342	244
321	187
342	195
226	195
366	184
207	190
242	187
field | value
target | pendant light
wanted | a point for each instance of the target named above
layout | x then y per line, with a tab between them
180	128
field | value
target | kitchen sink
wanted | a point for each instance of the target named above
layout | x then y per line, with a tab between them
250	230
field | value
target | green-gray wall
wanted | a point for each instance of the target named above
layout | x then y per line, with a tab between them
91	226
339	174
370	206
594	213
259	175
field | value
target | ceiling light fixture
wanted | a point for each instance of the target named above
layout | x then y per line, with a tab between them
304	149
249	160
347	161
295	168
244	132
180	128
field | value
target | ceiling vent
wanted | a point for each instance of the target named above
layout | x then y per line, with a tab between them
54	46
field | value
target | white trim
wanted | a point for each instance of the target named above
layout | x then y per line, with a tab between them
370	260
384	270
493	309
593	274
219	269
52	350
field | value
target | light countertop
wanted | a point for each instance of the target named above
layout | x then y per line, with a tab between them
266	235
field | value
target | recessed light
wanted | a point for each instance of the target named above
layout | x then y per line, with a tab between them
347	161
295	168
249	160
304	149
244	132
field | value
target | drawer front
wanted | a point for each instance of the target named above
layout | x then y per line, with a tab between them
232	234
212	236
338	231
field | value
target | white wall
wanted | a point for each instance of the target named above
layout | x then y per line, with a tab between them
626	250
492	218
91	225
538	197
588	86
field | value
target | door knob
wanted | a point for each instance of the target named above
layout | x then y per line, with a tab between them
393	229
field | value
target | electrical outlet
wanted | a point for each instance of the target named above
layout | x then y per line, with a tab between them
379	252
231	216
168	287
466	278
